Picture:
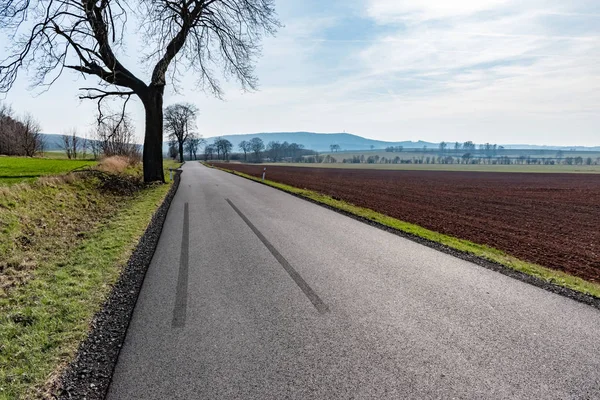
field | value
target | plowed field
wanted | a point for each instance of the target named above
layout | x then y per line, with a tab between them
549	219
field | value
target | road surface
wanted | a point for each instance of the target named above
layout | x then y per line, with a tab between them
256	294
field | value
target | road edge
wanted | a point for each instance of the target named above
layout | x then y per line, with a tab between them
506	270
89	375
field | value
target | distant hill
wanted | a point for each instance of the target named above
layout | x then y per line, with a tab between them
53	141
322	141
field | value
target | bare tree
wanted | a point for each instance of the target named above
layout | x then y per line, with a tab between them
245	147
31	138
257	146
84	147
180	120
116	137
223	146
443	146
75	145
94	146
67	144
86	36
19	136
192	144
209	150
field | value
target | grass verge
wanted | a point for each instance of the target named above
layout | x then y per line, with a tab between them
548	275
64	245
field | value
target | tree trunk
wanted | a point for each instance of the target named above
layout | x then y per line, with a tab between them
181	152
153	138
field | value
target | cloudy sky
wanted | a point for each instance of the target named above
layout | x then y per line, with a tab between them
503	71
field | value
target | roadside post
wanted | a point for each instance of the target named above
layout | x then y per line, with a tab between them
171	174
264	173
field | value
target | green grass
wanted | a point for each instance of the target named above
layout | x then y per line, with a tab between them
465	246
19	169
63	246
575	169
60	155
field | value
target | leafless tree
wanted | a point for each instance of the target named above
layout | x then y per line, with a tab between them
245	147
86	36
209	150
192	144
180	121
69	144
84	147
257	146
116	136
94	145
223	146
31	138
443	146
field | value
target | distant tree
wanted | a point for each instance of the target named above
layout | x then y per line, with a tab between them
273	150
245	147
84	147
209	150
192	144
179	123
31	138
457	147
223	146
257	146
469	146
116	136
295	150
443	146
70	144
94	146
466	158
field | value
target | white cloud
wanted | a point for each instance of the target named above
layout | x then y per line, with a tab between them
392	10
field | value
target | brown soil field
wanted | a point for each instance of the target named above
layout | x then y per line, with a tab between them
548	219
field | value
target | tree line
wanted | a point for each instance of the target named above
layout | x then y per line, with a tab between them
19	136
255	150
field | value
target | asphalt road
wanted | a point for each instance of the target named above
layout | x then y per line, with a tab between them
256	294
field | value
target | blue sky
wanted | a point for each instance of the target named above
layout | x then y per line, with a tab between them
503	71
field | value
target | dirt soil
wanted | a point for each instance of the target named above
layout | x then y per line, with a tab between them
548	219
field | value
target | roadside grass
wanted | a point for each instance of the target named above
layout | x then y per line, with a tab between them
19	169
537	169
482	251
64	244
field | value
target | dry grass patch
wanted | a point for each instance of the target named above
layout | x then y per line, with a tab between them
115	164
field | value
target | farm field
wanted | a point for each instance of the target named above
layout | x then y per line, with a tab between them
574	169
548	219
19	169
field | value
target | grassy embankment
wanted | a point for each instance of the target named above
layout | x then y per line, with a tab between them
548	275
64	243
